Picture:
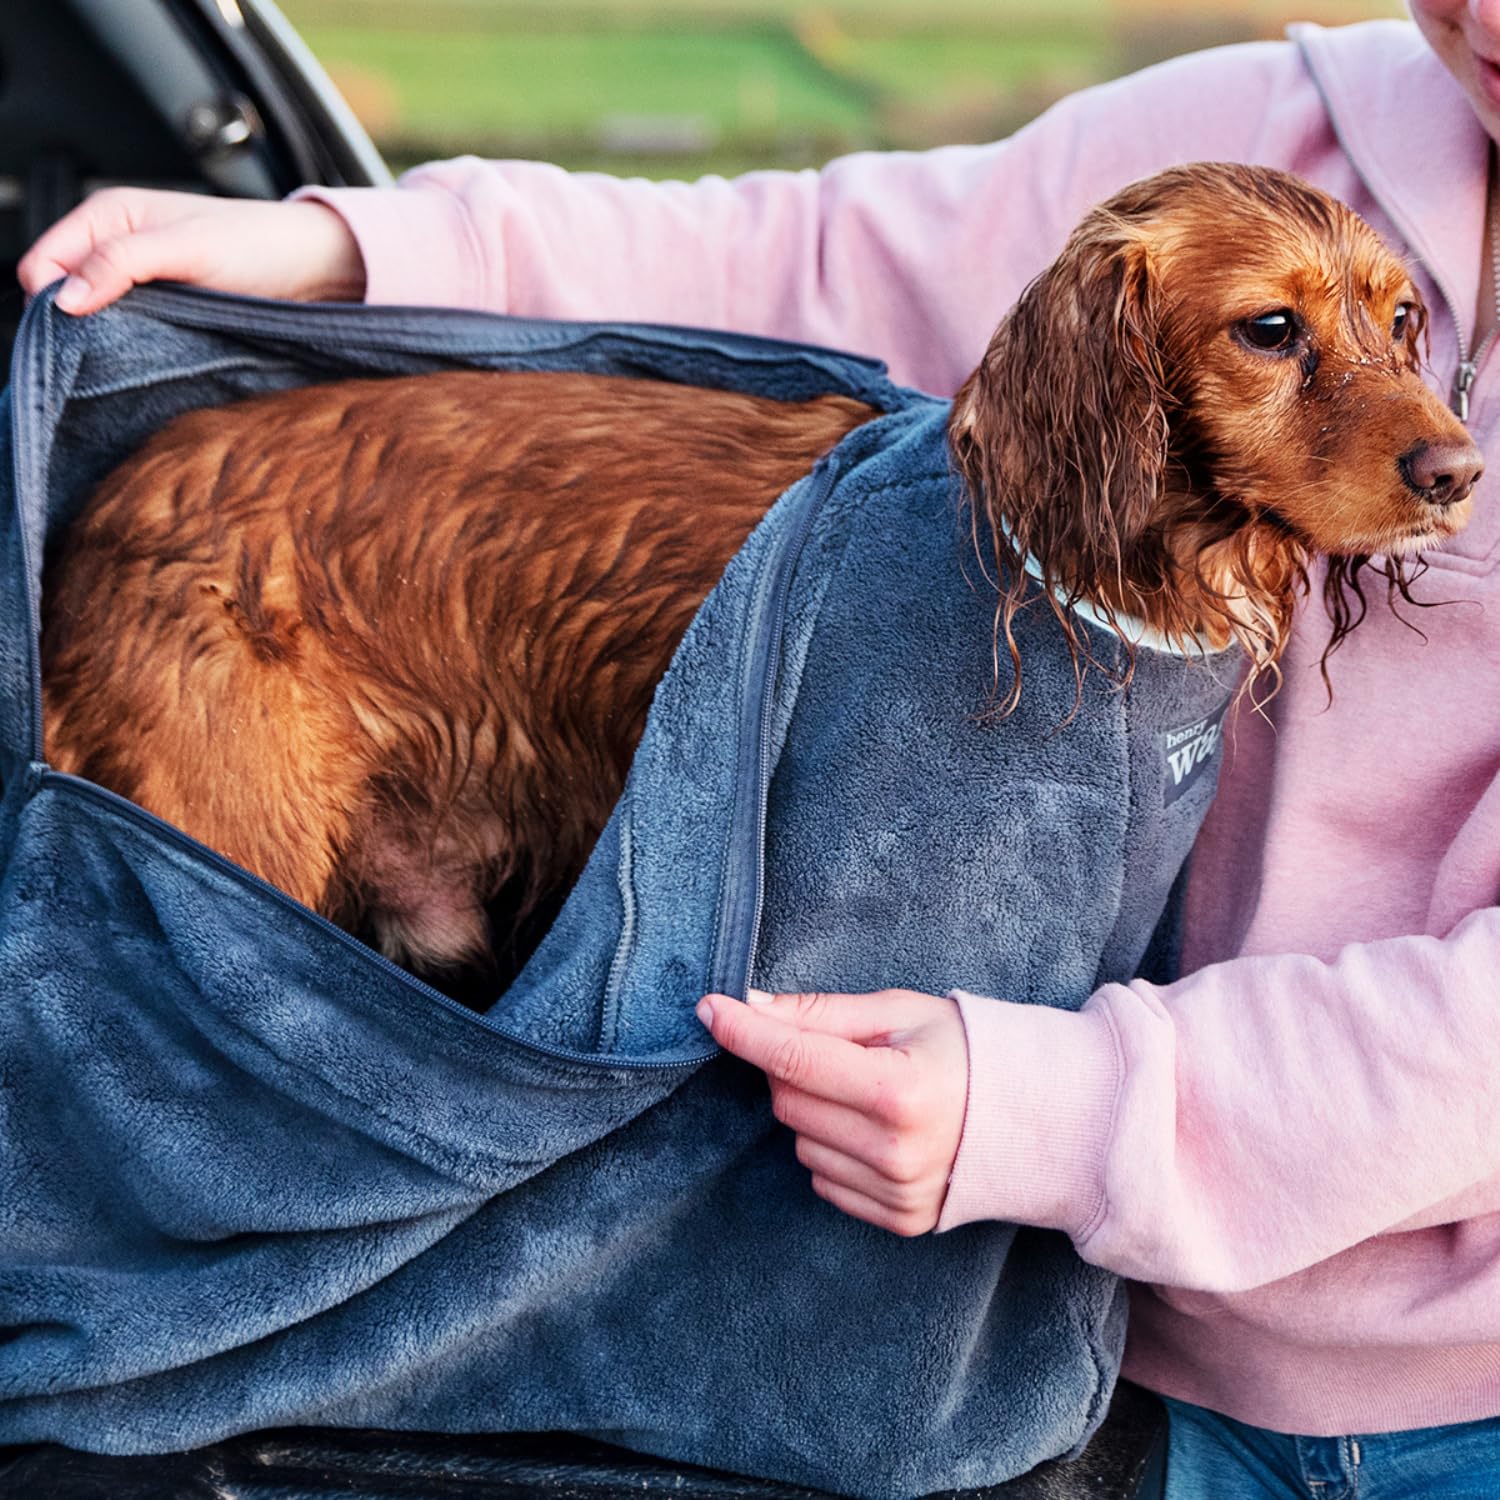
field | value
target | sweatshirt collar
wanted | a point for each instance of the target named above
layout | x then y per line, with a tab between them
1409	132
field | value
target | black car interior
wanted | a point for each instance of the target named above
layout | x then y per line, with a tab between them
206	95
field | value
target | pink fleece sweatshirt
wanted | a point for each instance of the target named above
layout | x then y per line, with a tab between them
1294	1152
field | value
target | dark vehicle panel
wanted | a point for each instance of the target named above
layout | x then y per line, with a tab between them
215	96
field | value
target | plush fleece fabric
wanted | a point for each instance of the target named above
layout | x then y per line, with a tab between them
251	1174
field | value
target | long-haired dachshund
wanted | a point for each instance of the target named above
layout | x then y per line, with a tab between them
390	644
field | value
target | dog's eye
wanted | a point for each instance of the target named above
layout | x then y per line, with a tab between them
1271	330
1405	313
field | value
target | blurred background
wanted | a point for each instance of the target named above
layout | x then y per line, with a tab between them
676	88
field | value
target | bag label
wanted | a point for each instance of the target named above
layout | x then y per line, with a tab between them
1188	751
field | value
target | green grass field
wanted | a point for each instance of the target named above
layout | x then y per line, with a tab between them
676	87
547	83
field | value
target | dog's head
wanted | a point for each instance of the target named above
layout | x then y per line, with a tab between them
1216	379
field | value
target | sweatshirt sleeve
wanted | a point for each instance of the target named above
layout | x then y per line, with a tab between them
912	257
1247	1121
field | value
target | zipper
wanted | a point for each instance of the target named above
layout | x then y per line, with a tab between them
1462	384
26	362
160	828
743	882
1468	364
1463	381
767	703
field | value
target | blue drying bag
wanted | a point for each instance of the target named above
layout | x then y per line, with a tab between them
253	1175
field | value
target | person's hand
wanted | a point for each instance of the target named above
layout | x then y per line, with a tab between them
873	1085
120	237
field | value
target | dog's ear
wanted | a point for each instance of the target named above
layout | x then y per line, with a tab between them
1062	431
1061	434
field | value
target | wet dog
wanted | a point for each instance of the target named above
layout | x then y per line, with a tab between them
390	644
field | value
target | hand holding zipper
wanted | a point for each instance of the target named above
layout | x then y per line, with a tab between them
875	1087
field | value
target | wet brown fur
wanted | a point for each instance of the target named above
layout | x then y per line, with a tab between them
390	644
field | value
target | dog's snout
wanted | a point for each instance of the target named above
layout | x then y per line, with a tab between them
1441	473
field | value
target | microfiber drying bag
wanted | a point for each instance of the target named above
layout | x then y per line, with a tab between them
253	1175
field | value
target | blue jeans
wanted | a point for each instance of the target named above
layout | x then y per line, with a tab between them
1212	1457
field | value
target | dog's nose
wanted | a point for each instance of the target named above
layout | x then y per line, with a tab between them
1441	473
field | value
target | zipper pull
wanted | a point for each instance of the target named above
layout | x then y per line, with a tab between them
1462	384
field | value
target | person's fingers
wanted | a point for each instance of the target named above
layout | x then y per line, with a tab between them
858	1176
906	1222
837	1126
116	265
811	1061
112	214
880	1018
69	242
114	242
